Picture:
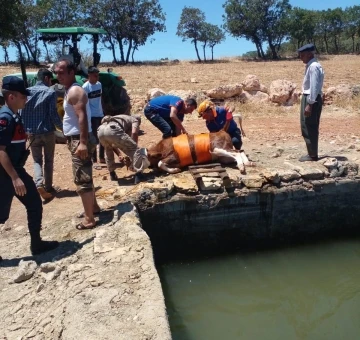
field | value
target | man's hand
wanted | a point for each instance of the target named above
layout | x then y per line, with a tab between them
243	133
308	110
19	187
81	151
184	131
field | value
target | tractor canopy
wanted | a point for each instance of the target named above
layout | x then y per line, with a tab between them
72	30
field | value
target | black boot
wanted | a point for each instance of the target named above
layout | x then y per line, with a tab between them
113	176
39	246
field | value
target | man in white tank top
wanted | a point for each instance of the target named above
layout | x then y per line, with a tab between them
80	140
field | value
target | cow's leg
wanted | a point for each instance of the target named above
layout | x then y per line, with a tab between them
246	160
228	156
162	166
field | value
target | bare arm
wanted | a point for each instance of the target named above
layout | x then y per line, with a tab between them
19	186
78	99
176	120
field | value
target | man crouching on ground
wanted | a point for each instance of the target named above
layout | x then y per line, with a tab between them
121	132
80	140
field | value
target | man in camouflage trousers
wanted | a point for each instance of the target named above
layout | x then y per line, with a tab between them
121	132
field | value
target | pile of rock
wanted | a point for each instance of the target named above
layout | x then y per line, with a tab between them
281	92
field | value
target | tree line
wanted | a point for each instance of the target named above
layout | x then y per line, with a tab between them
129	25
283	28
274	26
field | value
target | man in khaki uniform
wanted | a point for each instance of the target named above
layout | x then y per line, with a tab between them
122	132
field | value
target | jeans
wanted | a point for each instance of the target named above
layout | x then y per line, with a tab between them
165	125
39	143
95	123
31	200
236	139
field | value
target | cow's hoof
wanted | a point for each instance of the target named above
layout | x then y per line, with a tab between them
175	171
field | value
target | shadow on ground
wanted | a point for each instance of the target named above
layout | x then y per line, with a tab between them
65	249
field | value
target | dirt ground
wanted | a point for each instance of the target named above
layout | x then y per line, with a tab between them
270	129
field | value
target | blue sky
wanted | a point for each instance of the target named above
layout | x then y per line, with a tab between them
168	45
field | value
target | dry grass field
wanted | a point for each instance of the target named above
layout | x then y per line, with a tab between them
268	127
270	130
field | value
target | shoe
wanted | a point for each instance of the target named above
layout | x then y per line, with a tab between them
308	158
39	247
53	190
139	177
113	176
44	194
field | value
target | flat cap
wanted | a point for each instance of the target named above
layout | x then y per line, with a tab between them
307	48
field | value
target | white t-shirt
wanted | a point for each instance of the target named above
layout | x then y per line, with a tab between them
94	92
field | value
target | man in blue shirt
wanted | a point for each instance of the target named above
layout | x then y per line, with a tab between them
40	118
220	118
167	113
14	180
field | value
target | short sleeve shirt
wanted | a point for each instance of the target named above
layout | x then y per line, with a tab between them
94	95
162	106
12	135
220	120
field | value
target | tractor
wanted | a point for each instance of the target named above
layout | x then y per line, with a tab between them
115	98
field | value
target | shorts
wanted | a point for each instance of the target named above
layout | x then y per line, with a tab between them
82	168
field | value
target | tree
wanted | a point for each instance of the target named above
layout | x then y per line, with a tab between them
274	26
12	17
128	23
301	25
215	37
352	23
189	26
243	18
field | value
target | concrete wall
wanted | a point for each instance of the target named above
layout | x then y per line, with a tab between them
188	224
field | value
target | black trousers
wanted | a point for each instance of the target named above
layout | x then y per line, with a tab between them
310	125
31	200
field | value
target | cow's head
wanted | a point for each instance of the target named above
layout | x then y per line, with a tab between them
154	157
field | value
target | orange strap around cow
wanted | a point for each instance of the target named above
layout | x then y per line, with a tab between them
182	148
202	148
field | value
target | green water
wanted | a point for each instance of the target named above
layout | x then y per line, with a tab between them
305	292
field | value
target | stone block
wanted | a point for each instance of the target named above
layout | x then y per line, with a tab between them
287	175
161	188
185	183
210	183
253	181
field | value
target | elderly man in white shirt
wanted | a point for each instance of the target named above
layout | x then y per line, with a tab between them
311	102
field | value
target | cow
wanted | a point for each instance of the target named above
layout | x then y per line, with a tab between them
172	154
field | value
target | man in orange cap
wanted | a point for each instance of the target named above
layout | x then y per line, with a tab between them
220	118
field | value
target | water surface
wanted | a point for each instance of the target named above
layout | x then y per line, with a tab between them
304	292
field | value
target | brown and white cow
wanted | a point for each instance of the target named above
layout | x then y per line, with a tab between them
172	154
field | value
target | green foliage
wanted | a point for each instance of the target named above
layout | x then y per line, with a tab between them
192	25
260	21
191	22
128	22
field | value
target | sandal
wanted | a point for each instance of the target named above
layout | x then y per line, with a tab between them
81	226
82	214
